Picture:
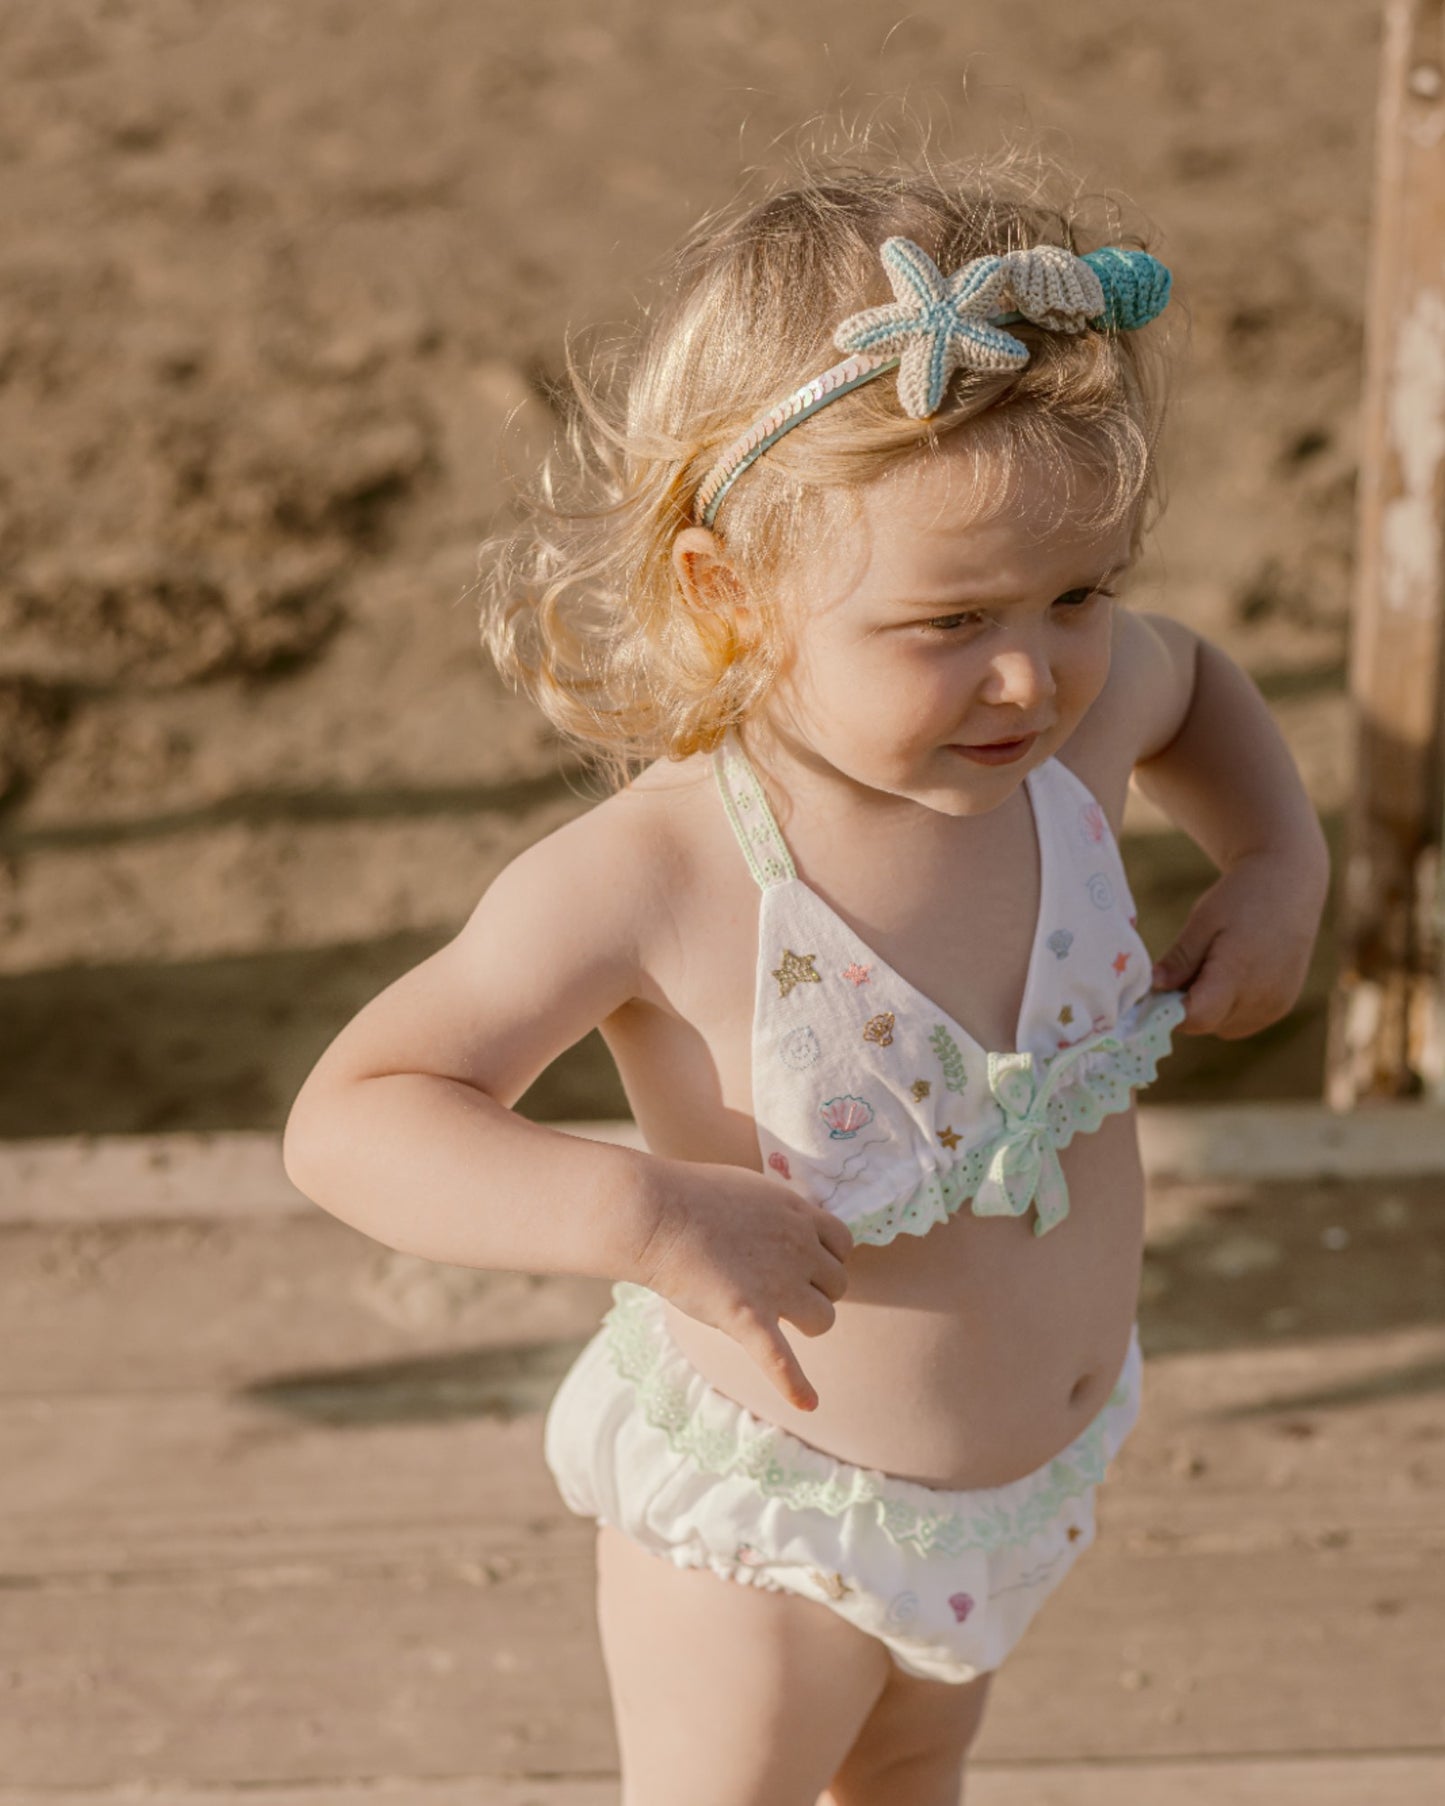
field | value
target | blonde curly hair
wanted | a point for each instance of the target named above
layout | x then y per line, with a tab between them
581	606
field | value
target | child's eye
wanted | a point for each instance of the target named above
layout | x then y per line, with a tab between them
1075	598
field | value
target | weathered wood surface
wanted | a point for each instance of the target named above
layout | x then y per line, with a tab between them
1308	1781
275	1525
207	1176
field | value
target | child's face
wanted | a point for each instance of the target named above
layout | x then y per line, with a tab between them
913	634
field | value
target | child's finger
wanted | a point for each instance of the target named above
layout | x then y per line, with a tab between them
779	1362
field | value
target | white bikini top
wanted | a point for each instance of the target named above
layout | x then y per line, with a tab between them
875	1103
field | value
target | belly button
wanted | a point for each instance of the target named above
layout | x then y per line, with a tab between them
1080	1387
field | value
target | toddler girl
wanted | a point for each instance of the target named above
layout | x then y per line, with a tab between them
842	618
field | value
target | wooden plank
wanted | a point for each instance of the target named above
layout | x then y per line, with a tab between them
1385	1780
143	1305
191	1580
126	1178
1385	1031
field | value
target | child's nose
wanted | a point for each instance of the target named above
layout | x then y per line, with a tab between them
1021	679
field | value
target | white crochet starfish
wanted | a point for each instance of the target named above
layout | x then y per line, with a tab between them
940	323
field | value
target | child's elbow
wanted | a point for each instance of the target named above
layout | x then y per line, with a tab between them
301	1141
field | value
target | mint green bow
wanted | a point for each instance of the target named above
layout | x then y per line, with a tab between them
1023	1164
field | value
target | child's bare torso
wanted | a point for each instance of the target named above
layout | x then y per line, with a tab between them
964	1357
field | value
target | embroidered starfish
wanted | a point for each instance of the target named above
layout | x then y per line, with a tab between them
939	323
857	975
796	969
921	1089
949	1137
1066	1014
1074	1533
1120	961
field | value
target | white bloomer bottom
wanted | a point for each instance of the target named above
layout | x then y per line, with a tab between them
636	1437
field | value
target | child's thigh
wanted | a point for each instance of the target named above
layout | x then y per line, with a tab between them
911	1751
726	1694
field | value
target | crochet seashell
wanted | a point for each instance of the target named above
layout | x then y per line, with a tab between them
1136	286
1052	287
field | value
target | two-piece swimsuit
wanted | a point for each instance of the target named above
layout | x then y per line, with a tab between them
872	1101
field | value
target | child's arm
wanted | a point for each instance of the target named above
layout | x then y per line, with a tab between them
404	1129
1227	778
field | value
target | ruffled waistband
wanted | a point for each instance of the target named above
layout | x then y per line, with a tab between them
720	1436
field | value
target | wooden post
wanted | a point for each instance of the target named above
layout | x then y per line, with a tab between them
1388	1010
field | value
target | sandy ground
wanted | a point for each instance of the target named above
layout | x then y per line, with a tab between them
271	280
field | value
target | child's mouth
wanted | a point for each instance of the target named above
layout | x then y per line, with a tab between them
1002	752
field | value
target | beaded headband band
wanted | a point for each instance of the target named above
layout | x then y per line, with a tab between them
938	324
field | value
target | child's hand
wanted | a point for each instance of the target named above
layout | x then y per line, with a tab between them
739	1251
1244	950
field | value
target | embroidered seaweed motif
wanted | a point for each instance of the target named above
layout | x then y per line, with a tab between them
1091	1082
955	1074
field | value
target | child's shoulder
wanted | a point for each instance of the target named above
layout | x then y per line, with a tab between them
1140	709
643	841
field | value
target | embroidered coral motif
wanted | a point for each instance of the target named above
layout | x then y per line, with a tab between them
833	1584
921	1089
779	1164
799	1049
845	1116
1120	961
1101	893
955	1074
796	969
879	1029
1059	943
949	1137
856	974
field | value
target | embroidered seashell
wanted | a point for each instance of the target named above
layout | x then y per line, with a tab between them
1092	818
845	1116
879	1029
962	1604
902	1608
1059	943
1101	892
799	1049
779	1164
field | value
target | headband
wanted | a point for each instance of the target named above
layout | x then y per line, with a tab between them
938	324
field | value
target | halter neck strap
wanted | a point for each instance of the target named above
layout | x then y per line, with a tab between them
752	820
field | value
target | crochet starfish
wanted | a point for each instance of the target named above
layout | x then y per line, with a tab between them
939	323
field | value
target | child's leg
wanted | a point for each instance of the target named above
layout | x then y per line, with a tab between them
912	1749
726	1694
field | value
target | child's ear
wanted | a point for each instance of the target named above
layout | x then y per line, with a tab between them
706	575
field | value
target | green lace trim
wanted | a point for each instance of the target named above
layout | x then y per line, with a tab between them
1079	1108
720	1438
